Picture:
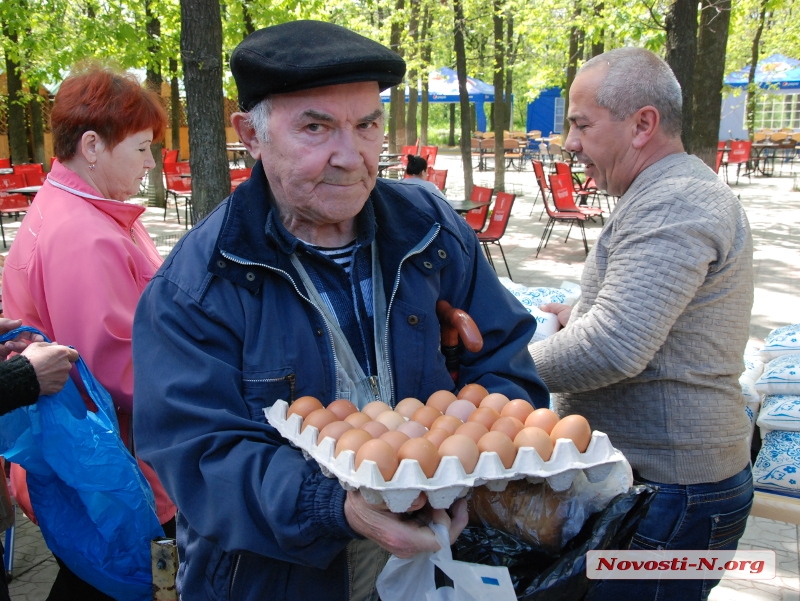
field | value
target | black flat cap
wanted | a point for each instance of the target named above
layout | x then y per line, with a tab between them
309	54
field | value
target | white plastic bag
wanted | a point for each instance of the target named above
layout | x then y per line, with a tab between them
413	579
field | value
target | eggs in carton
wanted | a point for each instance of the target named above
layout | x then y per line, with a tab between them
450	481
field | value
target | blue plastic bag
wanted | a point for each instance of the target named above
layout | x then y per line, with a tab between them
95	509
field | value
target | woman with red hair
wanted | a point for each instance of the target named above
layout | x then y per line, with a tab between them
81	257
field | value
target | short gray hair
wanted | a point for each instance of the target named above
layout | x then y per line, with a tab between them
636	78
258	119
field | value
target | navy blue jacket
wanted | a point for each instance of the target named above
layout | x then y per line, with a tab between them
225	328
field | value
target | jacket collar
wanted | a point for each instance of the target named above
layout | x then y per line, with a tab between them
65	179
251	230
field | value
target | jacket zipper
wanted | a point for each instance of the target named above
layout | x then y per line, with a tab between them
133	237
413	252
241	261
233	576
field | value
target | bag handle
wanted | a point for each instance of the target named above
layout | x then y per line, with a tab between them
14	333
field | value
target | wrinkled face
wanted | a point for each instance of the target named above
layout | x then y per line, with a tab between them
599	142
118	172
321	158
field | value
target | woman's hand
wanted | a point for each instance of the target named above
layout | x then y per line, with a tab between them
52	363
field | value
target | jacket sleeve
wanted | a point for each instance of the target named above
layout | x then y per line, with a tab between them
659	258
214	459
18	384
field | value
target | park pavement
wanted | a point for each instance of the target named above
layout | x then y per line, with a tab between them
773	208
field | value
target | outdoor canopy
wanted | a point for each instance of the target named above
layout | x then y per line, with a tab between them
776	71
443	87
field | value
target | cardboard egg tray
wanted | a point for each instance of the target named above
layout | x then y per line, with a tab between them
450	481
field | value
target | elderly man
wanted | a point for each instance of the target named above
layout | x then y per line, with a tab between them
652	352
312	278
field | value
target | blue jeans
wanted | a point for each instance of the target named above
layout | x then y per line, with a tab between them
700	517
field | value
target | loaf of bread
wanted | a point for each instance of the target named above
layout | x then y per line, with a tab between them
532	512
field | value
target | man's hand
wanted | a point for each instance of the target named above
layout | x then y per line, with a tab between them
403	535
560	310
52	363
20	342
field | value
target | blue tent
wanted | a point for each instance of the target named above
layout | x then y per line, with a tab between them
443	87
776	71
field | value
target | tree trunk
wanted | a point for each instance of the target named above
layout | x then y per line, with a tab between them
201	50
413	76
681	55
499	102
451	138
153	82
397	107
715	16
598	44
752	88
426	60
17	129
576	36
175	105
463	95
37	130
509	83
249	26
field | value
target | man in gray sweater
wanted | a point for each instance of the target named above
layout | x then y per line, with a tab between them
652	352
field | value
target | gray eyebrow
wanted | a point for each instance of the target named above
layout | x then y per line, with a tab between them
326	118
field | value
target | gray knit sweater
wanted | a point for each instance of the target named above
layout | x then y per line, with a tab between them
653	350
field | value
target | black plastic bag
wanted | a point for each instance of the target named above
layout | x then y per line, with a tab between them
539	576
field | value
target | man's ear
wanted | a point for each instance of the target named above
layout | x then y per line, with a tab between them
647	122
246	133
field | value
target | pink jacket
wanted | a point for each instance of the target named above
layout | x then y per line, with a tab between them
75	271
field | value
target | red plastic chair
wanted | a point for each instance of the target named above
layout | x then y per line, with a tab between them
497	226
11	204
438	177
566	202
170	156
239	176
28	168
429	154
178	187
565	175
541	180
5	163
561	188
476	218
739	154
33	178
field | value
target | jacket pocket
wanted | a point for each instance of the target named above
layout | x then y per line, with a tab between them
262	389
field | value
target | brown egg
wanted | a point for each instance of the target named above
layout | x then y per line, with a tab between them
474	393
574	427
495	400
357	419
536	438
375	408
342	408
375	428
484	415
352	440
395	438
333	430
542	418
498	442
424	452
413	429
382	453
461	408
391	419
304	406
441	399
319	418
518	408
437	436
472	429
510	426
462	447
408	406
447	422
425	415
